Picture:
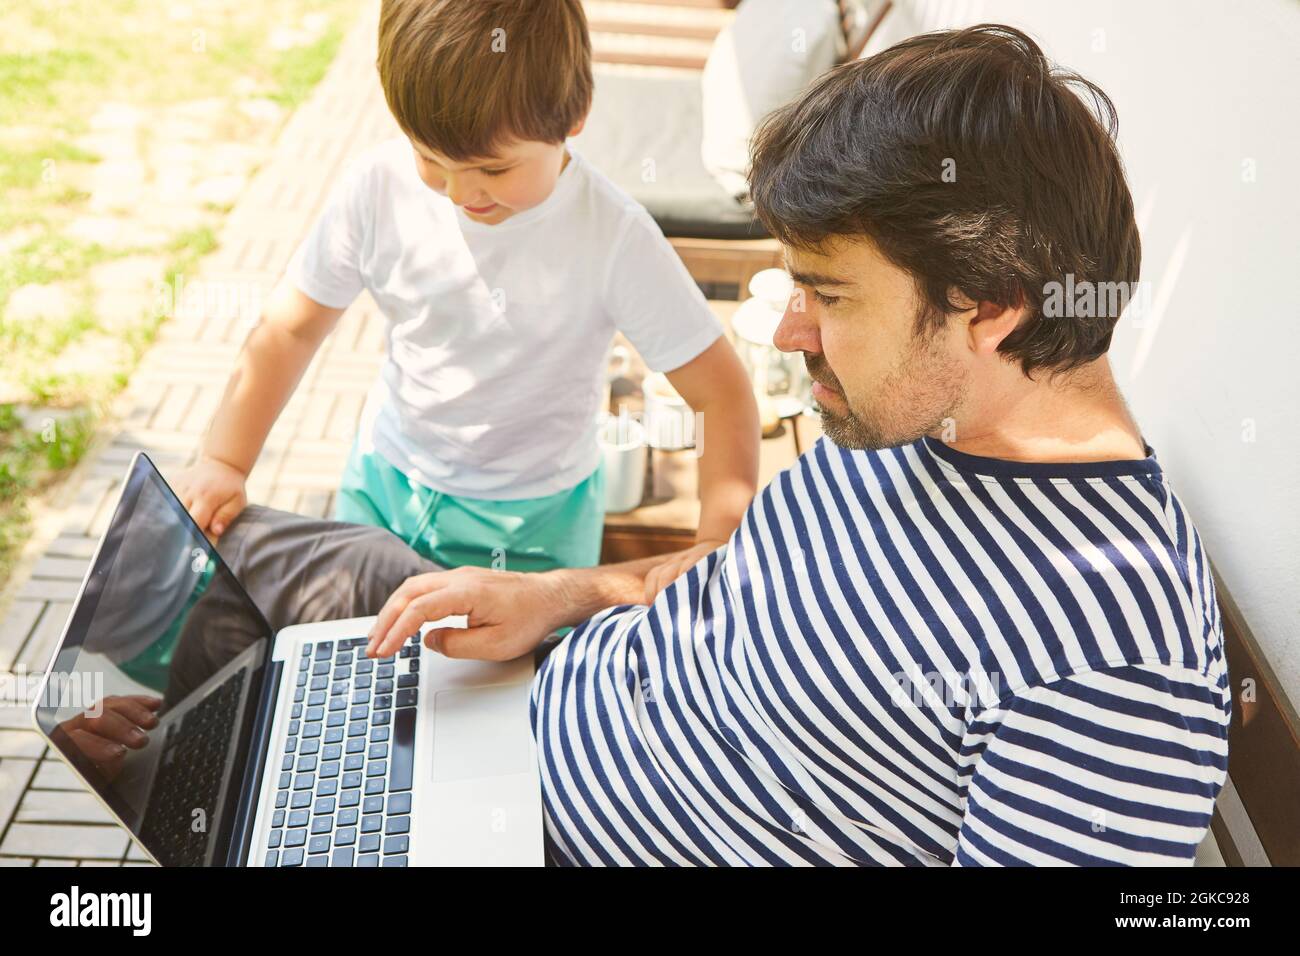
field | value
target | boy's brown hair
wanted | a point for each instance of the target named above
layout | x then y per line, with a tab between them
464	77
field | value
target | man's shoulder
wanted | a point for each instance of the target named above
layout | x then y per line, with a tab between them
834	490
829	463
1057	582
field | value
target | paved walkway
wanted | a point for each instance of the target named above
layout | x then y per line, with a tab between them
46	816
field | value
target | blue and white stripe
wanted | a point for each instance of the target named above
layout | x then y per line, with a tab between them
904	657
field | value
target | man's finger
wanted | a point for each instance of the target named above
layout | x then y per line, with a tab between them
435	637
387	615
113	726
478	643
96	749
427	607
134	711
396	604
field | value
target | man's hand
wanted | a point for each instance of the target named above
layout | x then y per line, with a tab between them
508	613
120	724
213	493
674	566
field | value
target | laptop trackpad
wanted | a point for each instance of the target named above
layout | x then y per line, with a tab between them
481	732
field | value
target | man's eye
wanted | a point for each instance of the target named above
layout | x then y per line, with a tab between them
825	299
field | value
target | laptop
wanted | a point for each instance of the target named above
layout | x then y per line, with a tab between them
276	749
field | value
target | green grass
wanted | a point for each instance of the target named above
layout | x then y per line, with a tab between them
49	257
22	167
31	459
187	249
46	339
300	69
60	62
33	81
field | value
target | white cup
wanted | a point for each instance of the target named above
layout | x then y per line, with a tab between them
622	444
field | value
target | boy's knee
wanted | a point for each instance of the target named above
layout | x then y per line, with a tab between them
299	569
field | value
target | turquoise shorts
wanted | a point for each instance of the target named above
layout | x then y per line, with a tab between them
562	530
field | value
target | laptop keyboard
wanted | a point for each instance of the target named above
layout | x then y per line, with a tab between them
344	791
190	774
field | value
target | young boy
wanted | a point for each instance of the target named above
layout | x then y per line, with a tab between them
504	264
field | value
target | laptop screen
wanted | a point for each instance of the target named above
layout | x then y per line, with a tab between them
153	693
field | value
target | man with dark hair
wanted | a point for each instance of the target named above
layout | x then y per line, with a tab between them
972	626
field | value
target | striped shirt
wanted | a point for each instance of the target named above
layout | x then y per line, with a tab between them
911	656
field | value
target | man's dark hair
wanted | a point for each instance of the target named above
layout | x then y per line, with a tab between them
1035	190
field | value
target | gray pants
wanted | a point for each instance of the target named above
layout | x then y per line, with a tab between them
299	570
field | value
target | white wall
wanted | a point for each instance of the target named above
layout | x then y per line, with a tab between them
1205	92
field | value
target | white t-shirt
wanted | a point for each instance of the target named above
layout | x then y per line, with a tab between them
498	335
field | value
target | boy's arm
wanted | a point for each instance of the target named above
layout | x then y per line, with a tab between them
274	357
657	305
272	361
715	386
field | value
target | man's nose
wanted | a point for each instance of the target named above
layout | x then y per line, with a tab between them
797	332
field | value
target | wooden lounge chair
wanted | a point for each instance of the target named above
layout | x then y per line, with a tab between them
645	131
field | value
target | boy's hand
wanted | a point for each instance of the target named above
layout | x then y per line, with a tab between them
507	613
674	566
213	493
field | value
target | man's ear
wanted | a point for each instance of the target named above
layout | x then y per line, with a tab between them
578	126
992	323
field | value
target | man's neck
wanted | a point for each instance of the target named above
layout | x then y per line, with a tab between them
1077	418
